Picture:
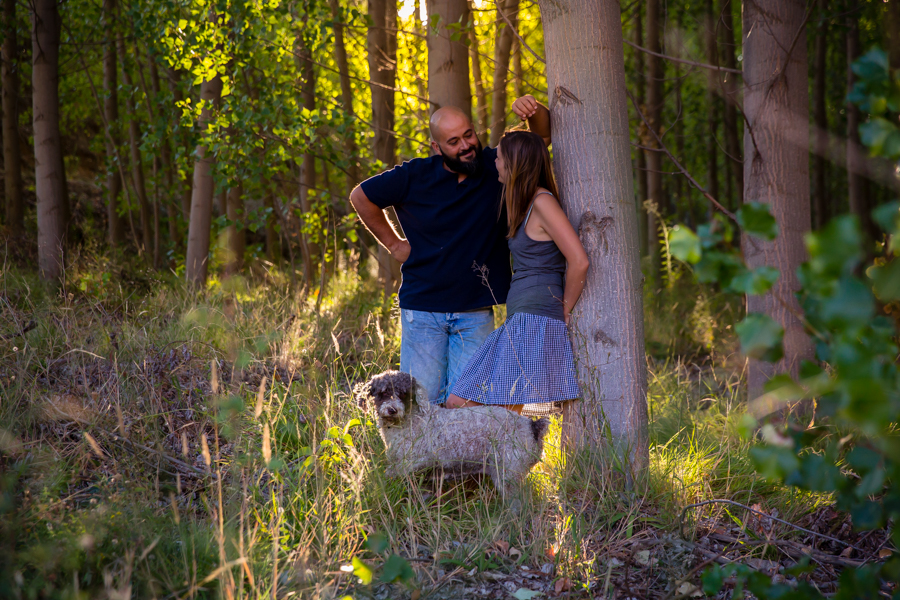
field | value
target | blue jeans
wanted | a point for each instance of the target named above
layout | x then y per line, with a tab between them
435	347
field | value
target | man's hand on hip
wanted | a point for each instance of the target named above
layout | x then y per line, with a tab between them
400	250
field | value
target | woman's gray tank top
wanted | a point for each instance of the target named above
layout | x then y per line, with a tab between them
539	270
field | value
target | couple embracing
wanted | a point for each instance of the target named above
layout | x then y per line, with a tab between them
464	210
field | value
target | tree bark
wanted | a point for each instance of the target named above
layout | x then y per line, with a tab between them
137	163
187	189
165	156
196	263
116	225
641	158
382	49
502	47
820	193
49	170
856	162
585	60
448	60
12	158
481	110
776	169
307	182
892	22
273	236
712	121
517	67
654	117
340	59
237	233
732	100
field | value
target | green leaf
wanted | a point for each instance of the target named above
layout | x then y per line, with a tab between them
377	542
761	337
851	305
875	133
755	282
396	568
887	216
837	248
684	244
755	219
362	570
886	280
873	65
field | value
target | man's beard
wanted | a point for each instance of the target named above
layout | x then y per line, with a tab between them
468	168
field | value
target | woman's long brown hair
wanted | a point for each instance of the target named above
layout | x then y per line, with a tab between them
527	168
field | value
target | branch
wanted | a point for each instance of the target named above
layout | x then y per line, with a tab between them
515	31
684	171
686	62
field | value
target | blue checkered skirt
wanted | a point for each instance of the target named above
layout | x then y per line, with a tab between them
527	359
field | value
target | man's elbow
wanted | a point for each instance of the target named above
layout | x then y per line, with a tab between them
358	198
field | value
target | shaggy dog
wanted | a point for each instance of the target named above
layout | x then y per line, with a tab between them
420	436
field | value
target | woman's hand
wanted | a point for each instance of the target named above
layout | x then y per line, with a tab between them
525	107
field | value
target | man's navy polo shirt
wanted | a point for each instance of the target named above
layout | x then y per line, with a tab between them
451	226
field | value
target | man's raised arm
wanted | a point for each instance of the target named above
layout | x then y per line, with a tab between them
376	222
537	115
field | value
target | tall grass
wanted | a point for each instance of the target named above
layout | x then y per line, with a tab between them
161	442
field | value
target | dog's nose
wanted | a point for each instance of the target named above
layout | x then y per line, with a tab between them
391	411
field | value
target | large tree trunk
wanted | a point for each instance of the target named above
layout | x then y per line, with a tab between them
382	48
654	117
712	120
49	171
820	198
12	159
732	100
481	114
196	263
640	96
776	169
585	61
448	60
502	46
137	163
116	225
340	58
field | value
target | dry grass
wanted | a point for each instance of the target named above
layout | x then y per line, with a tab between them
157	442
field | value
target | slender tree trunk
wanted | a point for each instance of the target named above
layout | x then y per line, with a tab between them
655	102
137	164
165	156
340	59
776	169
892	23
502	47
820	199
591	153
382	49
237	234
187	183
196	263
481	114
116	225
517	68
712	121
273	236
731	90
641	159
448	60
856	165
12	158
49	171
307	180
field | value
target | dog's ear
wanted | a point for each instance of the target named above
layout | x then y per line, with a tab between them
362	391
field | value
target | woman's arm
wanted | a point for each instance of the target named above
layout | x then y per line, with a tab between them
555	224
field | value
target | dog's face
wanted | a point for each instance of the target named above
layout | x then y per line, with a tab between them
392	395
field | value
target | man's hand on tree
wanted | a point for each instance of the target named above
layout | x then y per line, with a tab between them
525	107
400	250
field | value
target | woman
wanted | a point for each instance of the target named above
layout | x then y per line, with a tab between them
529	358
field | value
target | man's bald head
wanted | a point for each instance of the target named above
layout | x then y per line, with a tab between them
448	120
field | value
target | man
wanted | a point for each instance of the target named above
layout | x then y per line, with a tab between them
455	260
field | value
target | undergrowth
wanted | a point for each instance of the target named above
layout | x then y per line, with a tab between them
161	442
